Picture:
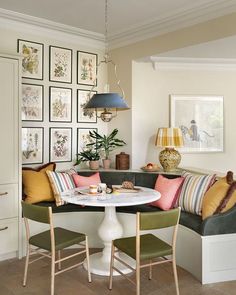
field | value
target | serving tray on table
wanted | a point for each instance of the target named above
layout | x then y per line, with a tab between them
126	190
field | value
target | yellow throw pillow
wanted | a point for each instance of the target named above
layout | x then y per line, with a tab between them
218	194
36	185
213	197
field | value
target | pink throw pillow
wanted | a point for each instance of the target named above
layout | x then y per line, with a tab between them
86	180
169	189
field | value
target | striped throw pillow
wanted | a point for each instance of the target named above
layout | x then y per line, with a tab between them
60	182
193	190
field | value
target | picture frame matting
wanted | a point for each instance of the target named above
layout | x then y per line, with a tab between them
201	120
32	145
87	68
32	59
60	64
60	144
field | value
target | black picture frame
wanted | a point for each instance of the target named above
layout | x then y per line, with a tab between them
80	132
85	116
31	61
56	93
32	109
32	144
89	75
61	67
57	144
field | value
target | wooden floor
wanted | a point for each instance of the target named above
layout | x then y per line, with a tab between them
75	282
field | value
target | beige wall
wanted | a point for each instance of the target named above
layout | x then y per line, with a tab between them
130	122
8	45
124	57
154	88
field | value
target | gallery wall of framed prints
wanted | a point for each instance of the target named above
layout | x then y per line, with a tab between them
56	84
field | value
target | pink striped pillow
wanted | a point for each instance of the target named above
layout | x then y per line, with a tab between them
169	189
80	180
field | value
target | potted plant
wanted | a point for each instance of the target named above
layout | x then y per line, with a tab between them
106	143
89	155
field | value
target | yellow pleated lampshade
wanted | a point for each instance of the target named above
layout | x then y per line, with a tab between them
169	137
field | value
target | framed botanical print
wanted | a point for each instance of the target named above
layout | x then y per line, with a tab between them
85	115
60	104
60	145
32	102
201	120
83	138
32	145
60	65
86	68
32	59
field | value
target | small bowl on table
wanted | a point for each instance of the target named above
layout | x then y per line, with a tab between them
151	168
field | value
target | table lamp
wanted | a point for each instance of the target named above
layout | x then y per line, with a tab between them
169	138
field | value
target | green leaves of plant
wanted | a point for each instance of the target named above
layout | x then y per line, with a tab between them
87	155
106	143
101	143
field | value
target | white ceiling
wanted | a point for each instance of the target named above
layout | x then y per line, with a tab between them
125	17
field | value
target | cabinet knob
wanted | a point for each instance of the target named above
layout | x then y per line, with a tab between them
3	194
3	228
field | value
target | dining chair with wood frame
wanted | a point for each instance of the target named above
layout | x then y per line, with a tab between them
53	240
145	248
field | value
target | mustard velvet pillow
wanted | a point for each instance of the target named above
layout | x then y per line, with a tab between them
36	185
220	197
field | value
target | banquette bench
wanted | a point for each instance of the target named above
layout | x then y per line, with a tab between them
204	248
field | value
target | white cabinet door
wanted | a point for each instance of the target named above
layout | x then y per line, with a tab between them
8	236
9	119
8	201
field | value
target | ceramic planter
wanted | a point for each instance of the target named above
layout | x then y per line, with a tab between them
106	163
94	165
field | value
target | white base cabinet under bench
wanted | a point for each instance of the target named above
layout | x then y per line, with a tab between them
218	258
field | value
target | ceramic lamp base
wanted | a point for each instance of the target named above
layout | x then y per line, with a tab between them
169	159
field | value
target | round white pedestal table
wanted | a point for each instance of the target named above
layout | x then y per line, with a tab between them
110	228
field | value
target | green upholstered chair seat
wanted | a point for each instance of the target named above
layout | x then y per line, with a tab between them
150	247
53	240
63	238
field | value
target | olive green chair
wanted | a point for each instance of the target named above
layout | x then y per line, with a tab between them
53	240
146	247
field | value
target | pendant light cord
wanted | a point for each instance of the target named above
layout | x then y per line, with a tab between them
107	58
106	29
